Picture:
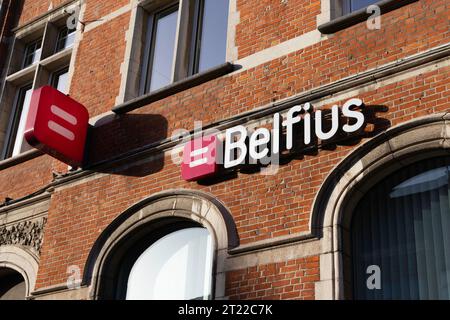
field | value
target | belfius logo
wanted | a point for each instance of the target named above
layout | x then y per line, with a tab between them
57	125
300	128
200	158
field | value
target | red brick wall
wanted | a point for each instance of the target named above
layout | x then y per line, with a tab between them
266	23
96	79
263	207
97	9
293	279
35	8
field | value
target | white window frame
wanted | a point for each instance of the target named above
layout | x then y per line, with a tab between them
136	47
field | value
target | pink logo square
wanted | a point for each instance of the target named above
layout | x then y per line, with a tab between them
200	158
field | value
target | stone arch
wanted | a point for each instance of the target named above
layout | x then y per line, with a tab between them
177	206
20	260
399	146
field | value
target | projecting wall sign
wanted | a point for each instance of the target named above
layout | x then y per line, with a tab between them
57	125
302	127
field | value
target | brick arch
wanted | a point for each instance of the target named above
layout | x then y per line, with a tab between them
397	147
175	206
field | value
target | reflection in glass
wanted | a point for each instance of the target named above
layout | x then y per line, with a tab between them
359	4
66	39
213	40
60	81
402	225
32	53
177	267
163	50
22	108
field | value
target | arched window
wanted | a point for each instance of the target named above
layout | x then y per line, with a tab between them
400	232
12	285
171	245
177	267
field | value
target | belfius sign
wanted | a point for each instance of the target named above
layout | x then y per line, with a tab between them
57	125
301	126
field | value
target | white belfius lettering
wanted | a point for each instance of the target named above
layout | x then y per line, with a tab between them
237	148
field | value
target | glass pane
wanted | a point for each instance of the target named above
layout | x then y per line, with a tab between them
359	4
177	267
70	39
164	46
20	145
65	39
12	285
213	43
401	225
32	53
61	82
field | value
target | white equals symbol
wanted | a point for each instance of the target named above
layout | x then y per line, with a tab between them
197	153
59	129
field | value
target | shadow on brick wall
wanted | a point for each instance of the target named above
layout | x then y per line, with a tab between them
120	136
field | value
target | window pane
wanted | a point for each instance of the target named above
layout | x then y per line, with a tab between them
401	225
20	145
61	81
32	53
213	43
66	39
12	285
70	39
163	51
359	4
177	267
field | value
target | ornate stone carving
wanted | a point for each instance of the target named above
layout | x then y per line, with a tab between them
25	233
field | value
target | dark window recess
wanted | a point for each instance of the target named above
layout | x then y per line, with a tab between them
12	285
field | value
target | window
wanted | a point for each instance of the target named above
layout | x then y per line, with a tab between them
60	80
211	35
17	143
12	285
66	39
354	5
176	267
402	226
33	63
163	45
183	40
32	53
346	13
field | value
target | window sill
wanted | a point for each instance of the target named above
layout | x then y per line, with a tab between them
21	158
23	76
58	59
361	15
175	87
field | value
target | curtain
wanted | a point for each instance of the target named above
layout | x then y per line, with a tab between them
402	226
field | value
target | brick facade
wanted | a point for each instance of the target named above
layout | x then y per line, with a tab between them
264	208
